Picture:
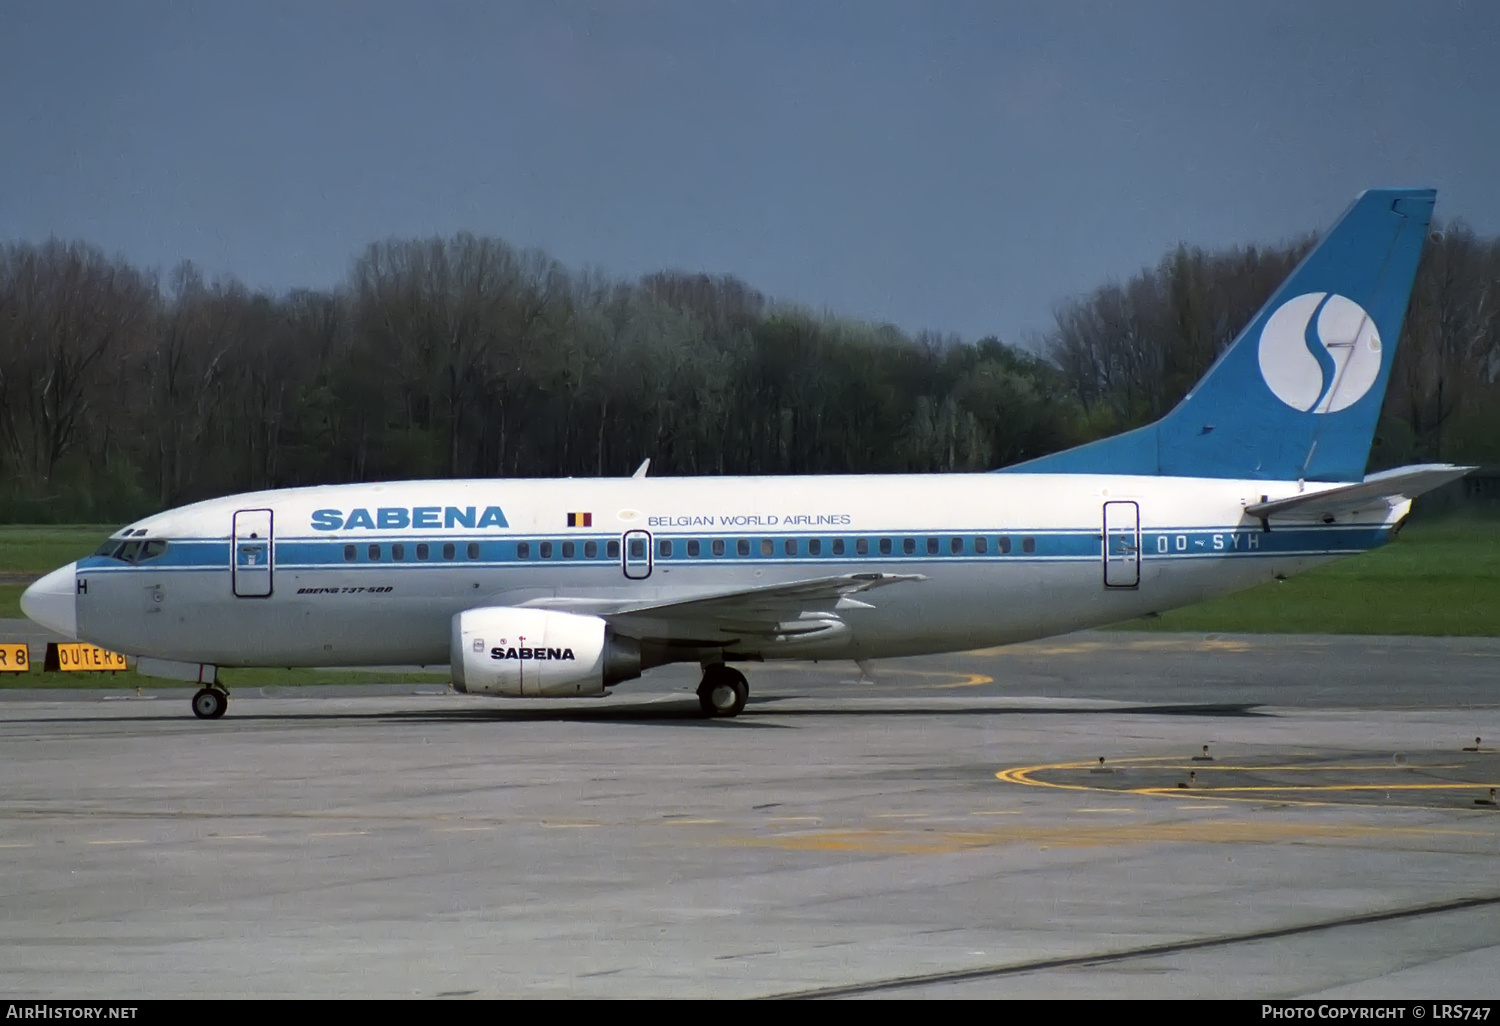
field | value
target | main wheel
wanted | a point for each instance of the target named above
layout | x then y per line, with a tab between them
210	704
723	692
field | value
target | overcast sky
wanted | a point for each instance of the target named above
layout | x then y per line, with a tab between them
958	167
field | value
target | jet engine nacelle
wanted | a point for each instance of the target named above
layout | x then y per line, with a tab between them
538	653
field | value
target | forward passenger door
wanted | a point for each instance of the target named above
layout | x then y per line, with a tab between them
251	553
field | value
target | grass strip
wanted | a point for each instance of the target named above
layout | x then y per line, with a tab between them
1435	579
37	549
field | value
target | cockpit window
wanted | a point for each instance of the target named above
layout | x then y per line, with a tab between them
132	551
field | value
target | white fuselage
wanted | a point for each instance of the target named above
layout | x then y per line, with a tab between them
373	574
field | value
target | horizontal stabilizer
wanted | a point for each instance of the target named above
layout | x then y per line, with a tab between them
1389	488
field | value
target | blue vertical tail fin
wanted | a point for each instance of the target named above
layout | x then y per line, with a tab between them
1297	394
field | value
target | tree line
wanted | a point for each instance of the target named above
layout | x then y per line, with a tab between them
122	392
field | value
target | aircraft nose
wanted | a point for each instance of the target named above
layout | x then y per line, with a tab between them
53	601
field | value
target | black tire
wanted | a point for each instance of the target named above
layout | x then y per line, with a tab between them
723	692
210	704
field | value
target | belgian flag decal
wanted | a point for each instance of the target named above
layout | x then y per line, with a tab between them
580	520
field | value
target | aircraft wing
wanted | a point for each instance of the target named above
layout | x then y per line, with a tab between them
779	612
1387	489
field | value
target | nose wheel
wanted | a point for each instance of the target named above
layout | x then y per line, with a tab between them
723	691
210	703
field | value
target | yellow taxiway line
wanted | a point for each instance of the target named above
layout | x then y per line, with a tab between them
1026	776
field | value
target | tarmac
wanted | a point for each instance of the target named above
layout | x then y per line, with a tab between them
944	830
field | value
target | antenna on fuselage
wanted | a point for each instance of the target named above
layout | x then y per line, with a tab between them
641	470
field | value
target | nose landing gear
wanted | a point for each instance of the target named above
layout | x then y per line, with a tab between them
723	691
210	703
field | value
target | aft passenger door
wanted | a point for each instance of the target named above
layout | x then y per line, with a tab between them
250	553
1122	545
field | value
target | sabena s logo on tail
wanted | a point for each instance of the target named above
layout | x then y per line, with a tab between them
1320	352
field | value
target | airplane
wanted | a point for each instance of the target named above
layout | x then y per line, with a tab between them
568	588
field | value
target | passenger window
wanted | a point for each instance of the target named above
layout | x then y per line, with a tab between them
590	550
1002	545
862	547
981	546
523	550
449	551
956	546
664	547
885	546
767	547
153	548
612	548
693	548
1028	544
350	553
374	552
932	546
838	546
422	550
742	546
637	548
473	550
398	551
815	546
718	546
789	547
569	550
909	546
546	550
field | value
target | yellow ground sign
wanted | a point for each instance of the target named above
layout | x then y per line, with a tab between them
14	659
76	657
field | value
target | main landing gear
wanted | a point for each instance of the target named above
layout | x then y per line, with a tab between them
723	691
210	703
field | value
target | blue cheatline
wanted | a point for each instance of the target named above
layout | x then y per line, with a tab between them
1019	546
1297	394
